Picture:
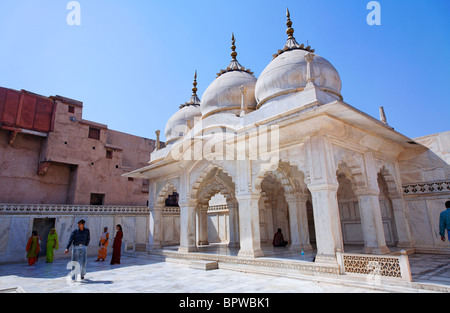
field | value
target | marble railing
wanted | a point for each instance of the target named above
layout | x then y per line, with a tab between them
171	210
374	267
70	209
428	187
218	208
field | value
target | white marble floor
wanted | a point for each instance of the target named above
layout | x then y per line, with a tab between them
139	273
142	275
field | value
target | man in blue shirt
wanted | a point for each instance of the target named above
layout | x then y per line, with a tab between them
80	239
444	222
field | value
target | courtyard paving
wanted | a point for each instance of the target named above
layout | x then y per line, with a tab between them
140	274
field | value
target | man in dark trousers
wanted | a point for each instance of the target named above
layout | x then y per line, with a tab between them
80	239
444	222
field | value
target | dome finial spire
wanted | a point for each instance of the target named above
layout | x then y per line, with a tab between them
194	90
194	100
291	43
233	47
234	65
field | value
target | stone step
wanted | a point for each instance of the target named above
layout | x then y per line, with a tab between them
204	265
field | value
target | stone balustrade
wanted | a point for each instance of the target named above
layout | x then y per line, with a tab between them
70	209
375	266
426	188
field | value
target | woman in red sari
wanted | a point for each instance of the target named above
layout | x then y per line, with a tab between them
33	248
117	246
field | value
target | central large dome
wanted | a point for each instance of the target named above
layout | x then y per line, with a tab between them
287	73
224	95
294	68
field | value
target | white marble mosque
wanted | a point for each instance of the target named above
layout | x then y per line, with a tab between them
283	150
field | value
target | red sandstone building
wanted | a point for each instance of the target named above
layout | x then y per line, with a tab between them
50	155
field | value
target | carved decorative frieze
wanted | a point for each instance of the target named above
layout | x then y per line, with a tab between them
425	188
70	209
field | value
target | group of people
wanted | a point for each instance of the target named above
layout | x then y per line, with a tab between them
79	241
34	246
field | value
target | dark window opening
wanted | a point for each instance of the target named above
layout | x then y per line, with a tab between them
130	179
94	133
71	109
109	154
97	198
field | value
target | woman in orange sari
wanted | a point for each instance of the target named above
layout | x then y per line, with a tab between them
33	248
103	244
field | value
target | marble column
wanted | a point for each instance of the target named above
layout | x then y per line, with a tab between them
323	185
372	222
187	228
202	215
327	222
249	232
233	218
155	235
370	211
298	220
401	222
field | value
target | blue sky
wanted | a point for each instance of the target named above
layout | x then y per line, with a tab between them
132	62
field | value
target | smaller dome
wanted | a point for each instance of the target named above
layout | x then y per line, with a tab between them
224	95
182	121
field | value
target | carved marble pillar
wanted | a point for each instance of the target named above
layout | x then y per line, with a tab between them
372	222
233	219
327	221
202	214
155	236
298	220
249	232
370	211
401	222
323	185
187	228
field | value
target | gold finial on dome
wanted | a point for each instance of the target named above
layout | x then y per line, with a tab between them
194	90
234	65
291	43
233	47
194	100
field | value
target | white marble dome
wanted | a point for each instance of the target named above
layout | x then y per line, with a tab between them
224	94
181	122
287	73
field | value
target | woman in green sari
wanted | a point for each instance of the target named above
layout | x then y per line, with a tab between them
52	243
